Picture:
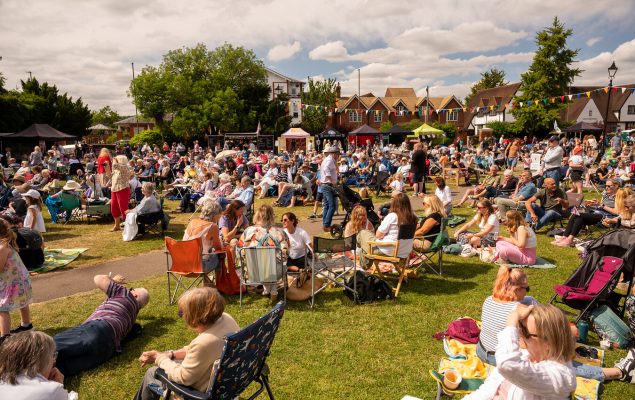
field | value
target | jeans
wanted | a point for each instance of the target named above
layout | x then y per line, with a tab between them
223	202
484	356
544	217
84	347
554	173
588	371
144	392
328	205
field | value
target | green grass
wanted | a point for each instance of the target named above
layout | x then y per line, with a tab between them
337	350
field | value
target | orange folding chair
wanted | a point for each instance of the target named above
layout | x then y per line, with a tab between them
187	257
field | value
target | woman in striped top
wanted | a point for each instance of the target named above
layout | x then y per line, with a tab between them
510	289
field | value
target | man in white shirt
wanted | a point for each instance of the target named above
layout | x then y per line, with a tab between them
553	160
328	180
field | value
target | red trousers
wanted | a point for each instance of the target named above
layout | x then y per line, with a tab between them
119	203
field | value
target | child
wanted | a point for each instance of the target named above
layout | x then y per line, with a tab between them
33	218
397	185
15	285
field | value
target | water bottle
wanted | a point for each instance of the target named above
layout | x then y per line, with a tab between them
583	330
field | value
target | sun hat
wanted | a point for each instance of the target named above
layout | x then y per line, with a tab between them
19	178
32	193
71	185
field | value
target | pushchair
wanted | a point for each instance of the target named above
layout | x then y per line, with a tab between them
349	199
592	284
379	182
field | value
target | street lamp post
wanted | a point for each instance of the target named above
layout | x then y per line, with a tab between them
612	71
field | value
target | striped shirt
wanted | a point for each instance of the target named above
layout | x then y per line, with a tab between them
119	310
494	319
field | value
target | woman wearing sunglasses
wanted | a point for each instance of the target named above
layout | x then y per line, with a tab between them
202	310
510	289
540	369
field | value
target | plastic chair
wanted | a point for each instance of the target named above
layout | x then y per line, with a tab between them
426	258
242	362
261	265
406	232
187	262
333	269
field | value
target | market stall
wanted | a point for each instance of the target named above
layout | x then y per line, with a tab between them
295	139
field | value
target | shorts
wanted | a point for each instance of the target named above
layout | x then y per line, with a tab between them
319	197
575	175
417	177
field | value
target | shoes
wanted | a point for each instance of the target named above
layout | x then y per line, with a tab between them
3	338
627	366
313	216
22	328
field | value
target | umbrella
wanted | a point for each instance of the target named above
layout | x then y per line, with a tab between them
226	153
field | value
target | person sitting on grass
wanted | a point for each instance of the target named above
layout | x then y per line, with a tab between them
520	247
31	375
431	225
99	337
487	223
243	192
233	222
488	188
543	368
203	311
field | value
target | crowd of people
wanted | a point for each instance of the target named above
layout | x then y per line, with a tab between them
506	185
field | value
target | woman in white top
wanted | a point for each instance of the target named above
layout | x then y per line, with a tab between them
487	222
543	368
32	375
299	242
444	194
400	214
520	247
33	218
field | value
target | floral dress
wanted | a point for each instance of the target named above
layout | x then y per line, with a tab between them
15	285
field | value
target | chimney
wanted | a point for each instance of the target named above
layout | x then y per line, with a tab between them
338	91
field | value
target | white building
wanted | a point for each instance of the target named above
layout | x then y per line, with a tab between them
292	87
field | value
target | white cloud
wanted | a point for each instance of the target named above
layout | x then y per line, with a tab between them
593	41
332	51
596	68
284	51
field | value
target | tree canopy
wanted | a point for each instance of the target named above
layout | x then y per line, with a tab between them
549	75
106	116
319	93
492	78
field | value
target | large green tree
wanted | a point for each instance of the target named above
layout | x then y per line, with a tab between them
106	116
207	91
549	75
491	78
319	93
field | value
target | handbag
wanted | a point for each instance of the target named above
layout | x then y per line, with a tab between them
227	280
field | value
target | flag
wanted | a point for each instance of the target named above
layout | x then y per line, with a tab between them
555	127
258	128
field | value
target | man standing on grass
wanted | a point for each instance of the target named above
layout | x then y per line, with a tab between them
328	180
553	160
99	338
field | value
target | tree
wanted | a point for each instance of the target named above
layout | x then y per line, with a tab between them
489	79
549	76
499	128
385	126
322	94
412	124
106	116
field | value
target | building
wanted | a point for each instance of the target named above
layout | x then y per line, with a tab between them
488	105
134	125
397	106
292	87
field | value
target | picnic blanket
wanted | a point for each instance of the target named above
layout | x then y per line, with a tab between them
541	263
56	258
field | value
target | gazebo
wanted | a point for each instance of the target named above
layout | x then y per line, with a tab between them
42	132
294	139
397	134
584	127
428	131
364	133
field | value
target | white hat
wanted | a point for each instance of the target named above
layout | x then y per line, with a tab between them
32	193
71	185
332	149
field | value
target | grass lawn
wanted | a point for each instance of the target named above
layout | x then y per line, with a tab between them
337	350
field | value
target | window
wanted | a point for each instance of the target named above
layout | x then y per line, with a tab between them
354	116
590	113
295	115
378	115
453	116
401	110
481	113
492	113
631	110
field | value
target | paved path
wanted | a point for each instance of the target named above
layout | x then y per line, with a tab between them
58	284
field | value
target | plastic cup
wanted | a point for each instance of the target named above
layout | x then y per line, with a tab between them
452	379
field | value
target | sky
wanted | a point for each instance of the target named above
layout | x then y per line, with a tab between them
86	47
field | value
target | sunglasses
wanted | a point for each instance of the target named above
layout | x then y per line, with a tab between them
525	332
180	313
285	220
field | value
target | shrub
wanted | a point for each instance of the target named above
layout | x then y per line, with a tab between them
152	136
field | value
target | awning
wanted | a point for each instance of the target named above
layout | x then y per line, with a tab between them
364	130
426	129
331	133
42	131
295	133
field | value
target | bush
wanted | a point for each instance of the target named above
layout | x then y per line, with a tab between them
112	138
152	136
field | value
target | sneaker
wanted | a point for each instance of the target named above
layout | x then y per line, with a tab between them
22	328
627	366
312	216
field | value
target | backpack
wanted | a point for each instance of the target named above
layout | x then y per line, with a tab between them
465	330
369	288
609	326
28	238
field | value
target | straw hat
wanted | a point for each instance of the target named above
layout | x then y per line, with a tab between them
72	185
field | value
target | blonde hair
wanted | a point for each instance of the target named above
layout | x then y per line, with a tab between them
488	206
265	216
201	306
36	350
359	216
507	281
620	200
104	152
514	220
552	328
148	187
627	214
436	206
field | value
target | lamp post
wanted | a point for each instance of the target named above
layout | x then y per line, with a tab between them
612	71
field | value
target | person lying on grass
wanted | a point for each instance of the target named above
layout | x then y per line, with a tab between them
99	338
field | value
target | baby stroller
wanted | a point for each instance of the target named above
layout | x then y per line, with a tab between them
592	284
379	182
349	199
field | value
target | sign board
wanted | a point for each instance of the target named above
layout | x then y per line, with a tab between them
535	162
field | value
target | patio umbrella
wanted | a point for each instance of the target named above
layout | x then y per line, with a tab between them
226	153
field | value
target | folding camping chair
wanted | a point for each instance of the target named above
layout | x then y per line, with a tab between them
71	208
261	265
597	288
187	262
426	258
406	232
331	262
154	222
242	362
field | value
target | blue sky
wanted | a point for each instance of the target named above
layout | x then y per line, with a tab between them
87	48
